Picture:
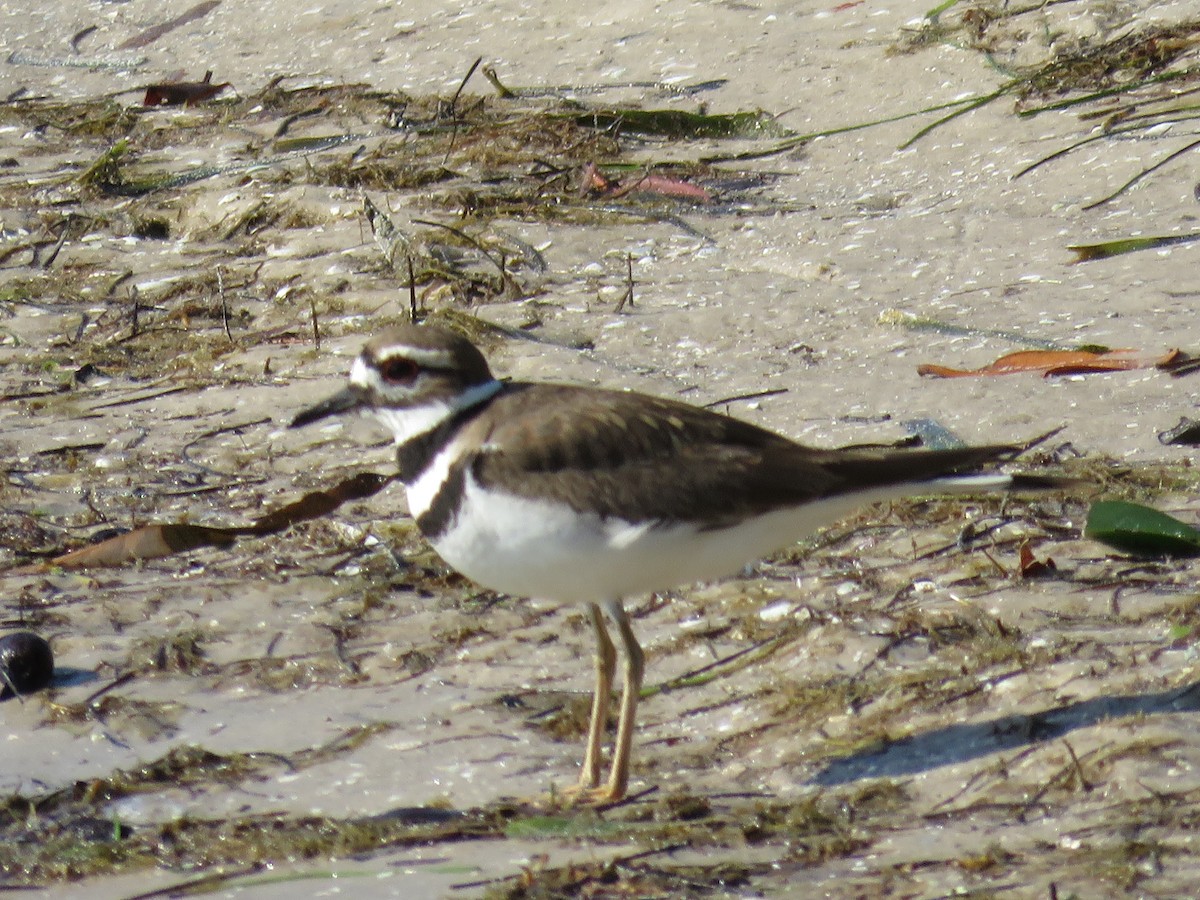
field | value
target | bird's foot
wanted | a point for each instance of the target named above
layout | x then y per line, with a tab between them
584	794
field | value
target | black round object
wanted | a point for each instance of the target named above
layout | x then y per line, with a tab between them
26	663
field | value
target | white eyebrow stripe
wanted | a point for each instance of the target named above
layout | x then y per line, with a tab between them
365	374
430	358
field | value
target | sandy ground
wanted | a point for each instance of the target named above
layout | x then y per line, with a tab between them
1042	763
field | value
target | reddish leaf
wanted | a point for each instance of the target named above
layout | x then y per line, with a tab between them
1058	362
183	93
1031	567
596	184
148	542
671	187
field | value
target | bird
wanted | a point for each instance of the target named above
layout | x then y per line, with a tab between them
585	495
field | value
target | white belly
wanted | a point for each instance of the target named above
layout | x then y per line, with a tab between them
531	548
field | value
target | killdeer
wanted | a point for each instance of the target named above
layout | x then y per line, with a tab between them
582	495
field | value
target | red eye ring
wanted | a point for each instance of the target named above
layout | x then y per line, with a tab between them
399	370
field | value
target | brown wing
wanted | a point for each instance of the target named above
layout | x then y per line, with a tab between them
645	458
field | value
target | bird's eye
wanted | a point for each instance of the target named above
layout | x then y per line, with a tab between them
399	370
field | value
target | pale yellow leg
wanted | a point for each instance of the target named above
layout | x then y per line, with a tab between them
618	779
589	789
606	664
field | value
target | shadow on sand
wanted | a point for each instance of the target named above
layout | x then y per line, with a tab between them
959	743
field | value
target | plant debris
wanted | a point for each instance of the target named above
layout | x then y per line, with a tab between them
1062	362
183	93
156	541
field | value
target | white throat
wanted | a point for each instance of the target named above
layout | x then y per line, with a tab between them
408	422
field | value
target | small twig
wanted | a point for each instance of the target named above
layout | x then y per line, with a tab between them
462	84
133	298
753	395
293	118
312	306
185	451
458	232
766	647
627	297
117	282
205	883
453	107
412	290
62	239
112	685
339	649
84	321
1000	570
140	398
224	304
79	36
1053	782
1084	784
489	72
1136	178
12	687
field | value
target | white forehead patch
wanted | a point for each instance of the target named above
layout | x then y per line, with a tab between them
362	375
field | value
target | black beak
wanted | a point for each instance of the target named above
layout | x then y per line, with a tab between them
344	400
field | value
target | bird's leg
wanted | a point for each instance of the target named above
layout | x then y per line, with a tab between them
618	779
589	789
606	663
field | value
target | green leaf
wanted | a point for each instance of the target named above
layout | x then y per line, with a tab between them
1090	252
1139	529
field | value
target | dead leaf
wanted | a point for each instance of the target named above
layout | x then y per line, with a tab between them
319	503
148	542
150	35
156	541
1031	567
596	184
1059	362
1186	432
183	93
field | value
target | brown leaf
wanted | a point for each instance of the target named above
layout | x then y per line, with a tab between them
148	542
1056	362
183	93
150	35
319	503
1178	362
155	541
1031	567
